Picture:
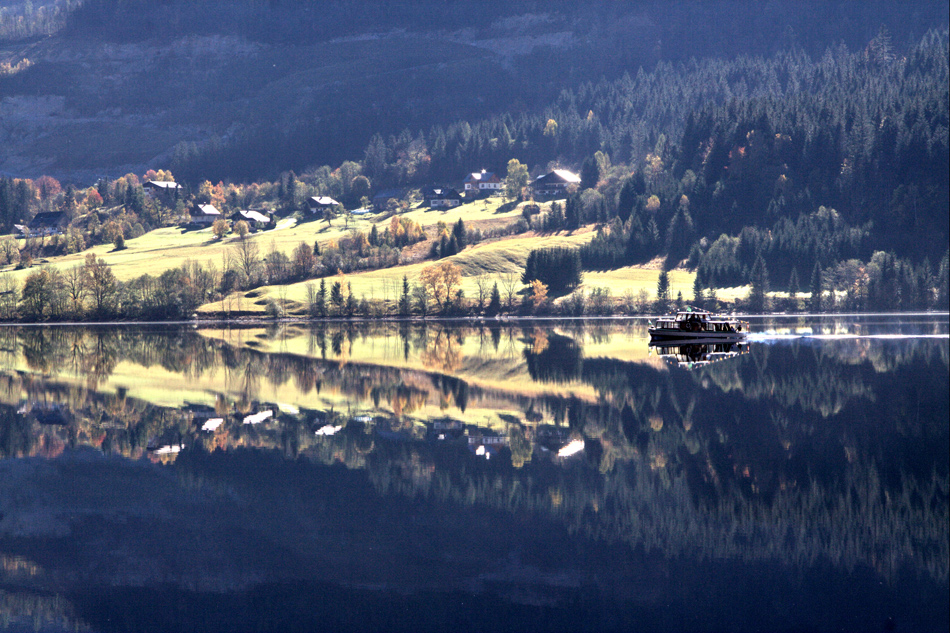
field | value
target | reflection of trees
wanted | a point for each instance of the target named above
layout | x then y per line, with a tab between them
443	350
776	455
558	360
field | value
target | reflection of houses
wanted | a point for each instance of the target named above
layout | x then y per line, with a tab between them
46	413
205	214
255	219
482	182
555	184
486	445
444	430
48	223
551	438
319	204
445	199
259	417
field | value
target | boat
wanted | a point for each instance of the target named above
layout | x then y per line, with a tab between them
695	353
694	324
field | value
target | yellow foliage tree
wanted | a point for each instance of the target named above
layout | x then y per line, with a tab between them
539	293
441	279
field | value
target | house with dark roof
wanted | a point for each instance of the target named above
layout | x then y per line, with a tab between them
445	199
48	223
381	198
555	184
205	214
319	204
482	182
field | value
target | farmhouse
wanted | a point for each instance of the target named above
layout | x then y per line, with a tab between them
205	214
482	182
382	198
254	219
319	204
555	184
164	188
445	199
48	223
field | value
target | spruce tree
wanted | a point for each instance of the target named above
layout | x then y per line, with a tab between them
322	299
663	292
458	232
698	296
816	289
758	295
404	302
494	304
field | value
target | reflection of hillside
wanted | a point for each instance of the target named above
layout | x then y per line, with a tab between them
777	455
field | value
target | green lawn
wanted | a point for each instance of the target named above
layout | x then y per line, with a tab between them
494	261
170	247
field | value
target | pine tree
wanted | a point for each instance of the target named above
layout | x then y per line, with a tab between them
590	173
322	299
316	248
793	288
793	282
458	233
336	296
758	294
663	292
816	289
698	296
494	304
374	236
404	304
572	218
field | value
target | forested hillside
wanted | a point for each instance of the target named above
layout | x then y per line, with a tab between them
247	89
784	145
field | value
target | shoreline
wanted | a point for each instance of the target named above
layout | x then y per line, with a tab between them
254	321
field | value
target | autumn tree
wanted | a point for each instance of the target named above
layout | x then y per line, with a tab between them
247	253
220	228
516	180
303	260
441	280
102	284
539	293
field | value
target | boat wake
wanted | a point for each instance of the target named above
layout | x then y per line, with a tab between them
767	337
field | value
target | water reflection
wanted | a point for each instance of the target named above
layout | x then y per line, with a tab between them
794	451
698	353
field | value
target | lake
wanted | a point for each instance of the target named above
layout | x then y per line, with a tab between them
550	476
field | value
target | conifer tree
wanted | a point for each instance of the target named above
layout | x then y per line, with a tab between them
663	292
321	306
404	304
494	304
458	234
698	296
816	289
758	295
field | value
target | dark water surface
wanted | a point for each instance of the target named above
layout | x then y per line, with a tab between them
535	476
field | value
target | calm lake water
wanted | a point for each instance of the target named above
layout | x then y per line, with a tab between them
534	476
